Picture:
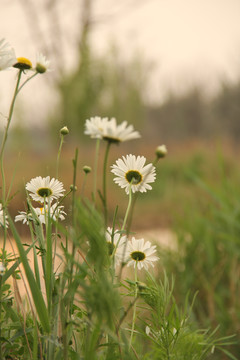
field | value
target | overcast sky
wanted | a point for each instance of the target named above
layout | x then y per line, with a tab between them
189	41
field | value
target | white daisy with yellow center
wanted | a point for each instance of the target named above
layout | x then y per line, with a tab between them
131	171
7	55
56	213
140	253
116	244
45	189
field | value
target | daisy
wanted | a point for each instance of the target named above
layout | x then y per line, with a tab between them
42	64
116	243
140	253
2	218
95	127
7	55
24	217
56	213
131	171
45	189
119	133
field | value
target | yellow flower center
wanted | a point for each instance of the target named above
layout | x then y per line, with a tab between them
23	63
138	255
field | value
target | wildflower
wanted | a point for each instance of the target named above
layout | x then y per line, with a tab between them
116	243
161	151
2	217
140	253
118	133
7	55
42	64
56	213
2	269
64	131
131	171
87	169
44	189
24	217
103	128
23	63
95	126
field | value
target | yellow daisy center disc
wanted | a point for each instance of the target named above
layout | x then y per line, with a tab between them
23	63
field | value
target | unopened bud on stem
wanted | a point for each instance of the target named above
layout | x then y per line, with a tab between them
64	131
87	169
161	151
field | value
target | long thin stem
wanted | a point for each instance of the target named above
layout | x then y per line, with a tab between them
95	170
59	153
134	306
123	228
105	182
26	81
1	160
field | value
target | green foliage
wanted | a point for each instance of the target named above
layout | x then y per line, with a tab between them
207	257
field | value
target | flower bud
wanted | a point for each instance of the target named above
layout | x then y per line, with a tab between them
87	169
161	151
73	188
40	68
64	131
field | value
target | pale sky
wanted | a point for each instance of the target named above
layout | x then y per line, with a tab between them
188	41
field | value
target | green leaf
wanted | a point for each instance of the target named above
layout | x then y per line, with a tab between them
36	292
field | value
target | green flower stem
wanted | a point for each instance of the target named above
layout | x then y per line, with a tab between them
2	155
26	81
134	306
105	182
95	170
124	221
59	153
123	228
83	185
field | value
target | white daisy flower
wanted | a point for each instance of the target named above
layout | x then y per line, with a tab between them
24	217
103	128
45	189
56	213
7	55
140	253
2	218
131	171
116	240
42	64
94	127
119	133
